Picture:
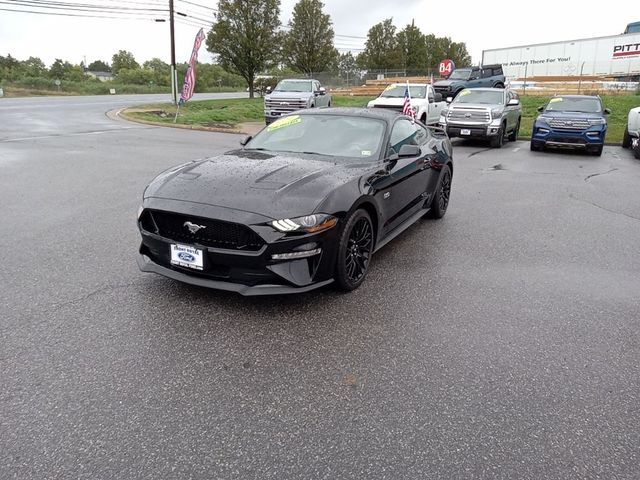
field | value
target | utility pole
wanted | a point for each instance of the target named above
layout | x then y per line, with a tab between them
174	77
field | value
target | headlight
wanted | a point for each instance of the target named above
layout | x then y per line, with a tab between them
309	223
496	113
597	121
544	119
444	112
370	104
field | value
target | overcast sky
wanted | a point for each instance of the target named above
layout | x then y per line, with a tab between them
475	22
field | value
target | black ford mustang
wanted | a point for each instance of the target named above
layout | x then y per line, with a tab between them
306	202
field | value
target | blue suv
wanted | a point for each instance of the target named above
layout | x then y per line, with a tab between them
571	121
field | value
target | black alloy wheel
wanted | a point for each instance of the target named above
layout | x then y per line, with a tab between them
440	202
354	251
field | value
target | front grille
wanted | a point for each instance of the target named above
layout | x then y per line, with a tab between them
285	104
469	115
215	234
442	89
391	107
575	125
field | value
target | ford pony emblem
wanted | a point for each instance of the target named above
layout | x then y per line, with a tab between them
193	228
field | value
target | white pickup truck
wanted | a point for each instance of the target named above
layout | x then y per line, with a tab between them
632	132
425	102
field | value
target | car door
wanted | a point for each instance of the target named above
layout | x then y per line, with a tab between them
321	100
402	189
475	79
435	108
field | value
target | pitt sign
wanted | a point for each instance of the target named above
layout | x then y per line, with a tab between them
614	56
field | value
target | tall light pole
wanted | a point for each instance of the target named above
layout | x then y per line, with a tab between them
174	77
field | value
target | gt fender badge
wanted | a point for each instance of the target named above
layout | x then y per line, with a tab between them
386	195
193	228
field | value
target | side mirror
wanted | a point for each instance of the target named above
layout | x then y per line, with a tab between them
322	91
449	99
438	97
268	89
409	151
245	140
513	102
541	108
607	111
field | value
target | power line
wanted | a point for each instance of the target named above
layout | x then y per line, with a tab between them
75	15
57	5
199	5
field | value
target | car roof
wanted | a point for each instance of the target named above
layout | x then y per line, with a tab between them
487	89
376	113
577	96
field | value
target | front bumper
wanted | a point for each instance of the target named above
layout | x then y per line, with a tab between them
147	265
475	130
248	272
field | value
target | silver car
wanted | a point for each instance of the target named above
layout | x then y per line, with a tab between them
489	113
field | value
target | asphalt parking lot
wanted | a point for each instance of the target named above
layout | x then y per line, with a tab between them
502	342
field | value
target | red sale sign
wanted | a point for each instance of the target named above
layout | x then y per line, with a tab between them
446	67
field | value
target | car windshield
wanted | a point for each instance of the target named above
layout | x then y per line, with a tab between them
480	96
460	74
293	86
397	91
574	104
332	135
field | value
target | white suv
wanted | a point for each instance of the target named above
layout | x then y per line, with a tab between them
632	132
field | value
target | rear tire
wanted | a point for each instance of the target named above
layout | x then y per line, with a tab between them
514	135
440	201
355	248
626	139
499	85
636	150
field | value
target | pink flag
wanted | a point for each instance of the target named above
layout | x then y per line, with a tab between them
190	77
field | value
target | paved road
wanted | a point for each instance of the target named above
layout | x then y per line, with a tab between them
501	342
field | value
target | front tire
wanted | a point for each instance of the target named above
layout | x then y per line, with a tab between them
498	140
440	202
355	248
514	135
626	139
536	146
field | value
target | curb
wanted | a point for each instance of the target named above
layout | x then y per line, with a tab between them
120	114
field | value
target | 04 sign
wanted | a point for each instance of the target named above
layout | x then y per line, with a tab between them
446	67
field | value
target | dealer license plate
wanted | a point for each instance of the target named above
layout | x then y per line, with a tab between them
186	256
465	131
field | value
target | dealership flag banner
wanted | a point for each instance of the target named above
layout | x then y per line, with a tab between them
190	76
406	108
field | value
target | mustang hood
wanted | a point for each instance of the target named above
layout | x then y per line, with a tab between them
276	186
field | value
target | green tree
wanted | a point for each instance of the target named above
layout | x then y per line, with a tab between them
123	60
160	71
381	50
245	37
348	67
308	46
10	68
412	48
443	47
99	66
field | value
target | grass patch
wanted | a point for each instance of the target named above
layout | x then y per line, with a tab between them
230	112
222	112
